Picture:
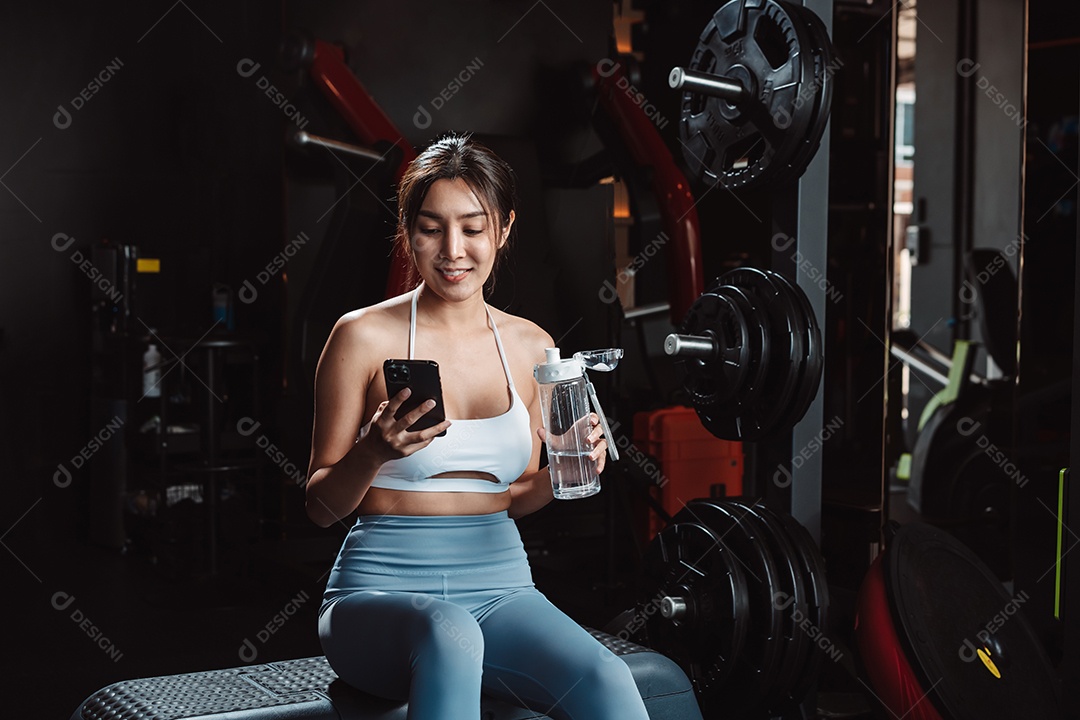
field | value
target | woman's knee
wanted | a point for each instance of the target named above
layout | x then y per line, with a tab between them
416	618
446	629
374	638
611	674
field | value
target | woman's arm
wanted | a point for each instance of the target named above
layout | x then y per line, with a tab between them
530	493
536	491
341	467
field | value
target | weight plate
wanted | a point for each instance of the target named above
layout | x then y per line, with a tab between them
752	420
705	634
757	326
963	640
979	509
716	380
811	363
787	334
818	602
790	594
753	676
818	93
746	144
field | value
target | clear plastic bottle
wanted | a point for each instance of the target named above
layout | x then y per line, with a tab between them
564	404
151	377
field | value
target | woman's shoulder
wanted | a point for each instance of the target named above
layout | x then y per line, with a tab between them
522	332
374	322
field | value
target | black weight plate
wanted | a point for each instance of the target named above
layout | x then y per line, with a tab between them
966	638
790	594
745	145
805	101
752	679
688	560
716	282
791	338
717	380
812	362
818	595
757	325
753	420
979	504
818	92
790	119
825	67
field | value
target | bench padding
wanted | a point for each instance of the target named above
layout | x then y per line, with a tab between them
308	689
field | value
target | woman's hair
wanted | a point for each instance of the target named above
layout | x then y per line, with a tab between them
450	158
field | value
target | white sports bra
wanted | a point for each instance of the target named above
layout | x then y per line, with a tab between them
500	445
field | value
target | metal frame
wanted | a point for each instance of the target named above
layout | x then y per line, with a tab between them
808	223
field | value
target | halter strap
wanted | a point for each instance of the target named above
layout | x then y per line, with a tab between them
491	322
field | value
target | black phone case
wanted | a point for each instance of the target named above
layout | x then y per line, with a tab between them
422	376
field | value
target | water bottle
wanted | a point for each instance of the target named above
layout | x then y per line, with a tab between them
151	377
564	404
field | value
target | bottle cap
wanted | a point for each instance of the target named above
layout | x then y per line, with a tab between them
604	360
556	369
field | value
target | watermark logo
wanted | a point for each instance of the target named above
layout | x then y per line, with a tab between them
469	639
62	118
247	67
782	476
807	93
248	650
968	67
635	455
608	67
446	445
62	476
967	427
985	649
422	118
61	242
782	601
782	242
62	601
608	293
248	293
635	623
968	292
247	427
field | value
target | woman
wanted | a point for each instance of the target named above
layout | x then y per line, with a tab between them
431	598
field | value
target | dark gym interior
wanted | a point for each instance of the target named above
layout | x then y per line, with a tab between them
885	278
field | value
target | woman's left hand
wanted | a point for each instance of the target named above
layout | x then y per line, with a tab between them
599	443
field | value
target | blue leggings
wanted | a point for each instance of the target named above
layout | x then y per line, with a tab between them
436	609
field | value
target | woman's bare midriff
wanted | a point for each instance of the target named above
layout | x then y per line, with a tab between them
380	501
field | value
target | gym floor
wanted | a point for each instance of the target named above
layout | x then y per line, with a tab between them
128	618
156	623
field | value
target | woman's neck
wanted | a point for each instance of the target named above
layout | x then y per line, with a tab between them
471	312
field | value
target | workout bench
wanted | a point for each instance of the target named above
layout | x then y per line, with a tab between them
307	689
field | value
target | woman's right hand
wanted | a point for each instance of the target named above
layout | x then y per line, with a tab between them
389	439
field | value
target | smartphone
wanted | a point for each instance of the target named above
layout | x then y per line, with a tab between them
422	377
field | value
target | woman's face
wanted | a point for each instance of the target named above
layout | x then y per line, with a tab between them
454	242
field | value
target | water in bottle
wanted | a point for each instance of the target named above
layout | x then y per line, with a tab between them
564	403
